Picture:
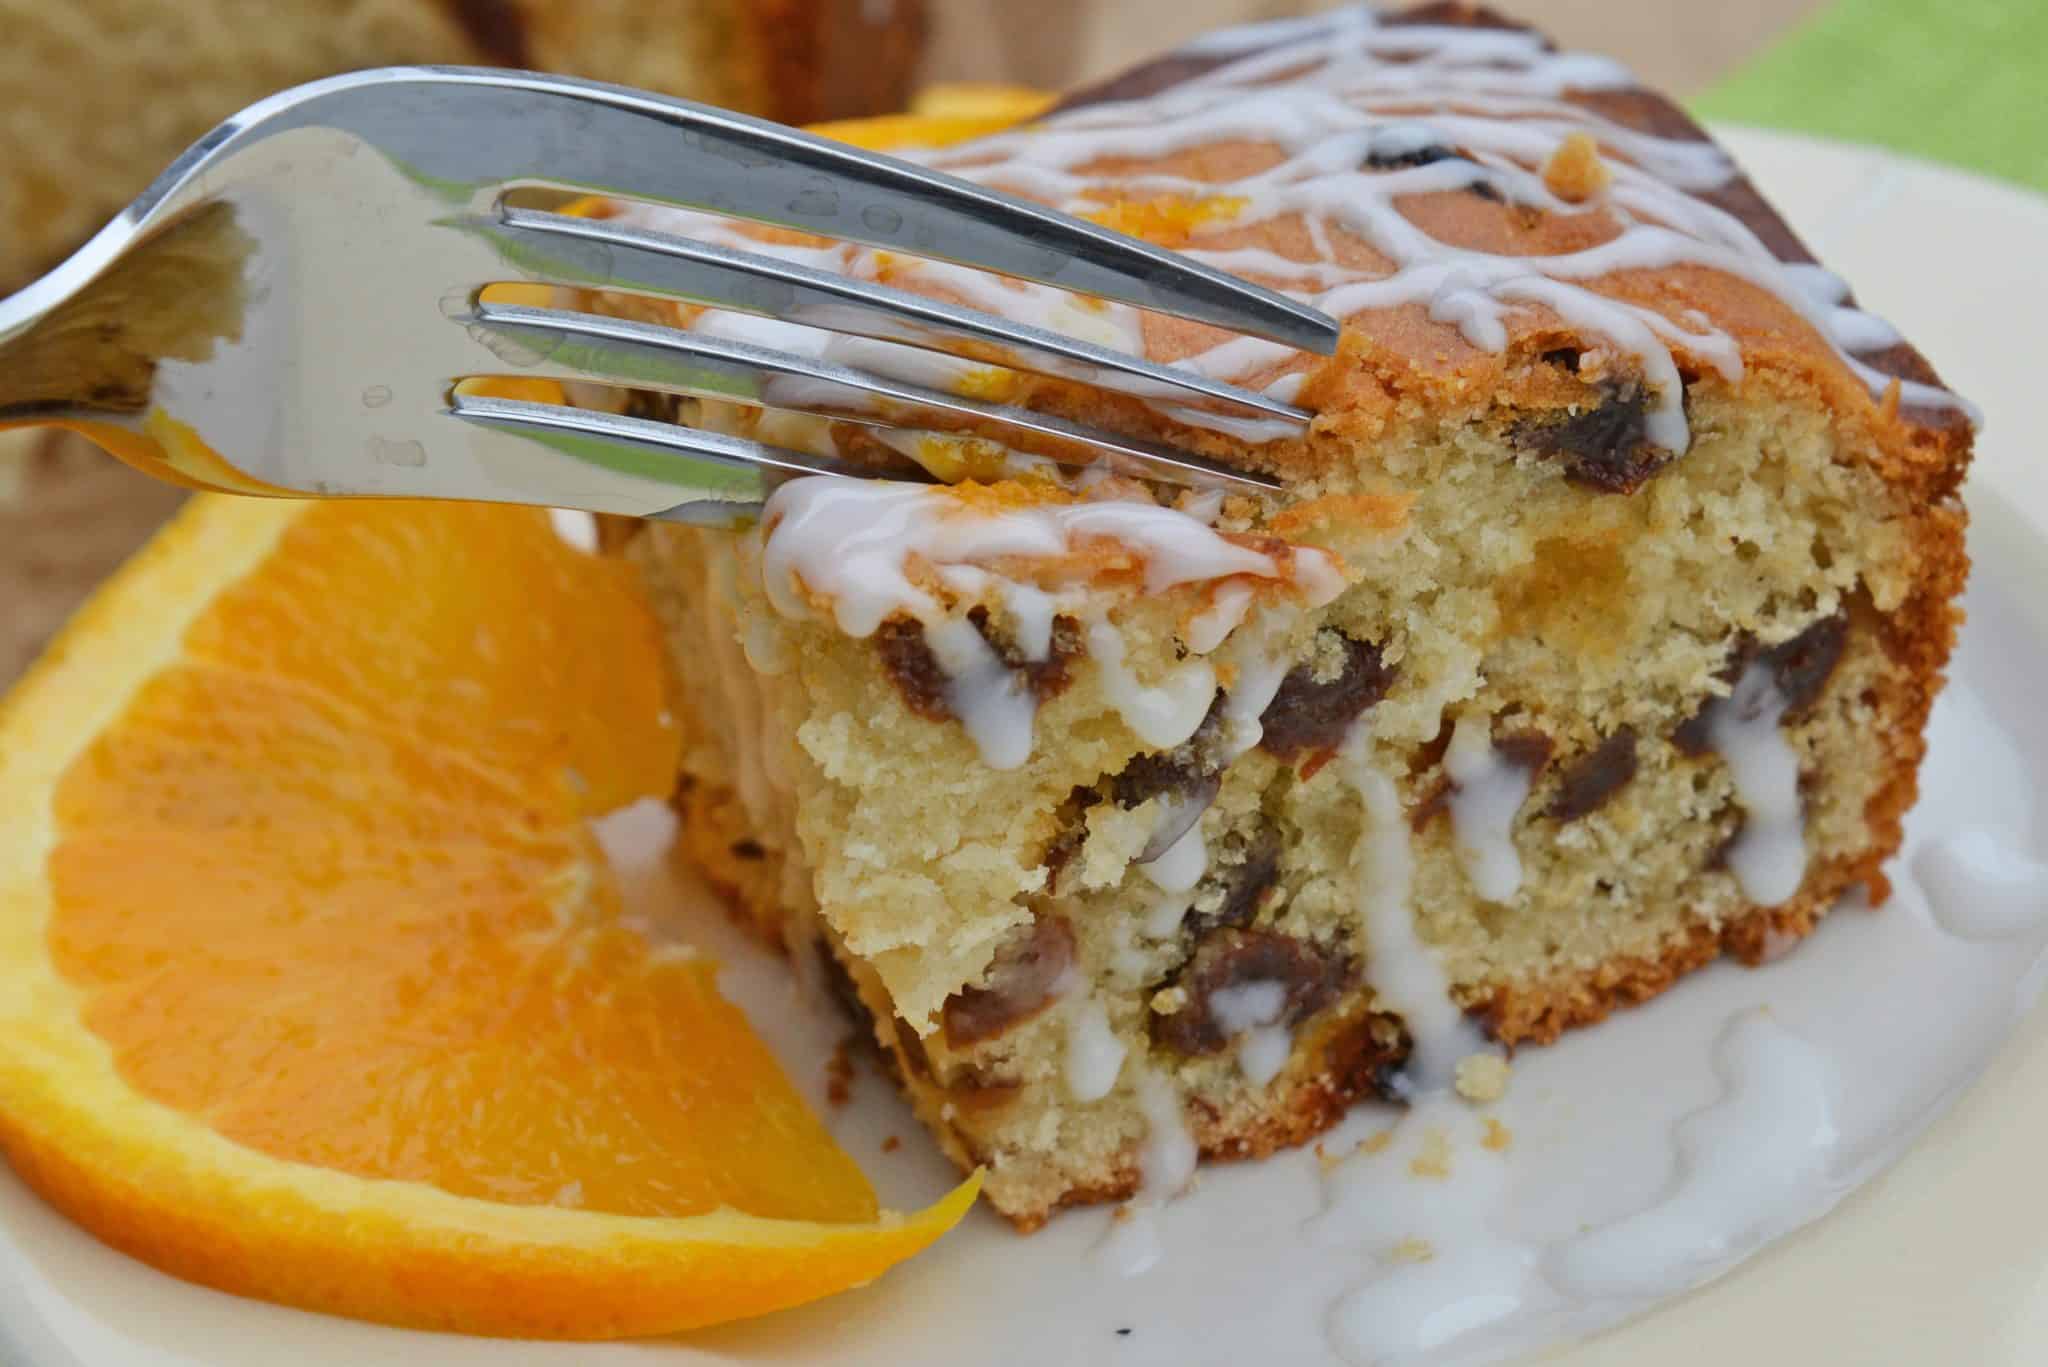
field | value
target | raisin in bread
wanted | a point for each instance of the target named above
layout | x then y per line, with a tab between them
1592	635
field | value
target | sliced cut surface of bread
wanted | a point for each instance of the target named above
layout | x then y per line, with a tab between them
1592	634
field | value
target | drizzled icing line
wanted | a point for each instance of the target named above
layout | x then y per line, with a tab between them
865	551
1363	113
1335	93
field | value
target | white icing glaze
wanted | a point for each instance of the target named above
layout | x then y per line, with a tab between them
852	541
1243	1006
1209	628
1031	616
1131	1246
1432	1201
1094	1055
763	647
1166	1161
1163	714
991	700
1403	971
1183	864
1257	658
1425	1205
1768	858
1355	90
573	528
1250	1015
1772	1134
1167	913
1331	95
1179	815
1168	1155
1980	887
1489	791
1263	1051
857	545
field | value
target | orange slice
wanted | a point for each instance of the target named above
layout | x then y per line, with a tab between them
314	984
942	115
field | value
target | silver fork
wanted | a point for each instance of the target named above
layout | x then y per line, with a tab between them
291	308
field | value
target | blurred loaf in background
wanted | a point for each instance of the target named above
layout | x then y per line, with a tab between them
97	97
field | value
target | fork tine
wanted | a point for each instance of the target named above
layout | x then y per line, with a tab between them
587	135
616	351
724	479
562	250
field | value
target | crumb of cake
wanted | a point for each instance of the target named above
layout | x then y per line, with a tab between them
1348	514
1192	728
1482	1077
1329	658
1412	1250
1168	220
891	1144
1575	173
1376	1143
839	1071
1434	1159
1778	943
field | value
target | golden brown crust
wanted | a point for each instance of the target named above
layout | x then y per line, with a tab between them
1539	1013
1354	1050
1919	637
1401	378
1399	363
713	839
1348	1058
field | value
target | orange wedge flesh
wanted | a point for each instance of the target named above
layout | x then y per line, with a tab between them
943	115
313	982
992	100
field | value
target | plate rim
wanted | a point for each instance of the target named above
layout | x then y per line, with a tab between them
2009	503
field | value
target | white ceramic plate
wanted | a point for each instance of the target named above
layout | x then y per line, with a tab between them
1942	1257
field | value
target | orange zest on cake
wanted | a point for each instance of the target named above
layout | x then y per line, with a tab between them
1592	635
1168	220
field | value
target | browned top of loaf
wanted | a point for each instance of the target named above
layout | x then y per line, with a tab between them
1399	362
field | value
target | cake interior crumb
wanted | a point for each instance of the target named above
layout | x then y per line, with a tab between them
1412	1250
1482	1077
1434	1159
